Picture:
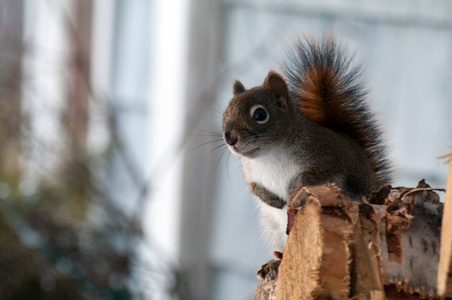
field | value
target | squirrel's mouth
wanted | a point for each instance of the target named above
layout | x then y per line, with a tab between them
243	150
249	153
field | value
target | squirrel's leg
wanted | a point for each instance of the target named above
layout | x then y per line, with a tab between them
269	270
309	177
266	196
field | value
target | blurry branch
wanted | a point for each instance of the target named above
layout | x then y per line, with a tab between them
66	238
55	242
81	65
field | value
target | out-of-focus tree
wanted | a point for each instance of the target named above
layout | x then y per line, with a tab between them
60	236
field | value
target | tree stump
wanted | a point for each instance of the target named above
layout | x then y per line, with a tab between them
384	247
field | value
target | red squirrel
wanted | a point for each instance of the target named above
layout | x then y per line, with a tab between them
309	125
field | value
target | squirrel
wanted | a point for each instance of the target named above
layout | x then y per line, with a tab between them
309	125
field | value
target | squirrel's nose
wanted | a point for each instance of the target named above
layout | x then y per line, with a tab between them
230	138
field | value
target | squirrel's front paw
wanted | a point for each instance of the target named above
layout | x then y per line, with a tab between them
269	270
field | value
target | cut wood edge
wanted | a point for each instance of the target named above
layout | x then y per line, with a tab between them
299	270
445	267
317	257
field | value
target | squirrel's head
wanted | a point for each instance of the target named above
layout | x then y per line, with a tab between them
257	119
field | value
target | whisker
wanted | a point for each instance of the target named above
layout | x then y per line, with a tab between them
190	173
247	188
206	135
204	144
208	154
219	159
227	162
219	112
207	131
214	168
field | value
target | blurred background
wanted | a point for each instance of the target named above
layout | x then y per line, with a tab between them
114	181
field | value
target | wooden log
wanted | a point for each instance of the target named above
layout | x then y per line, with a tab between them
327	254
445	263
386	247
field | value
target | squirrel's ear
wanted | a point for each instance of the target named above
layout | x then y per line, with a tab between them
277	84
238	88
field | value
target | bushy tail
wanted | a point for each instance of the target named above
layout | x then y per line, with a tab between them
330	92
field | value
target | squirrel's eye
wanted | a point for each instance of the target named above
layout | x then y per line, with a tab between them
259	114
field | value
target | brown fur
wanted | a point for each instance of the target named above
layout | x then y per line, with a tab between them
330	92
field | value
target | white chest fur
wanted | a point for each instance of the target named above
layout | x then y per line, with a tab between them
274	173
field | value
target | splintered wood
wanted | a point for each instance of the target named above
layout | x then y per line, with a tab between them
325	266
384	247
